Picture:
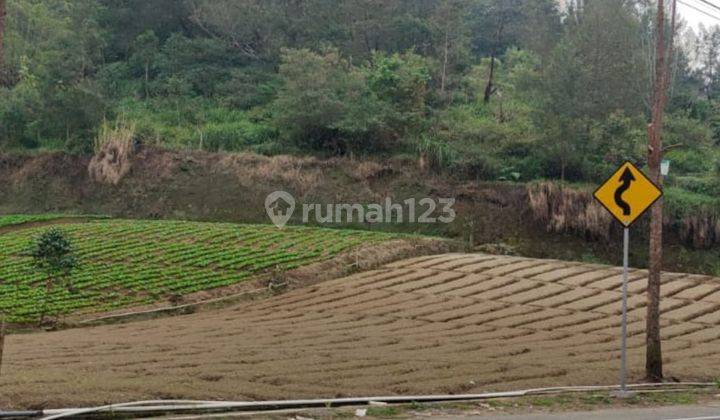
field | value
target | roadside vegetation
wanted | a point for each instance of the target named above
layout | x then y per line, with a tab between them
533	404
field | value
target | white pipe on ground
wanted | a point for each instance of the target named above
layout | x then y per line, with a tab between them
166	406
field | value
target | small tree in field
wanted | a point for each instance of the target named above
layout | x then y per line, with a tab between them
53	253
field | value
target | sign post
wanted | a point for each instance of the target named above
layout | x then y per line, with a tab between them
623	351
627	194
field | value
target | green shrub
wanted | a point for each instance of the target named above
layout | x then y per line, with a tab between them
708	185
235	136
690	161
195	123
681	203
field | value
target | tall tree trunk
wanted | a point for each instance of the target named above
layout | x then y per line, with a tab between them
3	71
46	298
147	79
490	87
653	357
444	67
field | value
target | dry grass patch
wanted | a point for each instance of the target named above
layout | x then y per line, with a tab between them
114	149
567	209
301	175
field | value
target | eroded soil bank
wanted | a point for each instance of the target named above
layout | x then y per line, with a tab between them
233	188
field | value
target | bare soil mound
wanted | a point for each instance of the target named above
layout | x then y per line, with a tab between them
451	323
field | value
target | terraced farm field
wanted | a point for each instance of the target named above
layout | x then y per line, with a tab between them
449	323
19	219
133	262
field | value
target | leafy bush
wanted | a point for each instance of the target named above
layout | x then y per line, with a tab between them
249	87
401	82
690	161
708	185
235	136
311	103
326	103
196	123
696	217
681	203
205	63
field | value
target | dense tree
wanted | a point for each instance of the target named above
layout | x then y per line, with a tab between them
326	102
494	86
53	51
452	37
541	27
495	28
254	28
709	61
611	63
53	254
125	20
314	107
144	53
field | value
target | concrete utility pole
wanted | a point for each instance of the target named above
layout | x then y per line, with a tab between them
653	357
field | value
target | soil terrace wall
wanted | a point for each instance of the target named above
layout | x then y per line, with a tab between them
542	222
224	187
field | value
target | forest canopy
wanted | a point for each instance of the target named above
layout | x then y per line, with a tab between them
486	89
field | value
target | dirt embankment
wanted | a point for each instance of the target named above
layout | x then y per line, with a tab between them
222	187
233	188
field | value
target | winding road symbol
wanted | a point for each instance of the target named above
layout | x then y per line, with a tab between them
627	178
627	194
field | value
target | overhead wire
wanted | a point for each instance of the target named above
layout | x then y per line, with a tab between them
699	10
713	5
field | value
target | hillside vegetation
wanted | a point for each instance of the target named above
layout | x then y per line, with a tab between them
134	262
489	89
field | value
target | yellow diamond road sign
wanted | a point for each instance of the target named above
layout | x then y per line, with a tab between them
627	194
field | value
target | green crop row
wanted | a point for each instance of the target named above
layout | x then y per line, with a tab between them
131	262
18	219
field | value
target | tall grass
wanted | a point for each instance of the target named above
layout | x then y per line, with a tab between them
120	135
562	208
114	147
198	124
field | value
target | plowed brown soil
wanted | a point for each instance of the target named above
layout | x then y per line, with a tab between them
441	324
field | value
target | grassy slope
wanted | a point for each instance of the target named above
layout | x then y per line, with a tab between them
126	262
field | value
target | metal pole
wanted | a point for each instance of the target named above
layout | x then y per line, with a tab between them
623	351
